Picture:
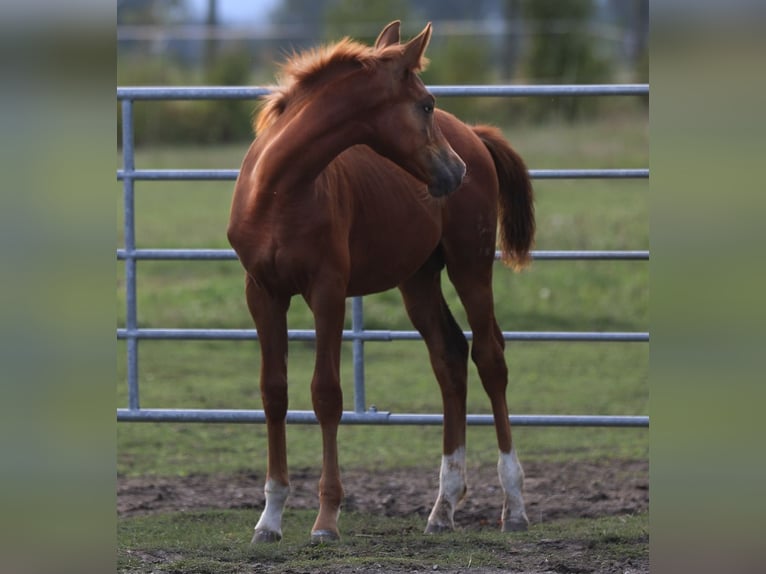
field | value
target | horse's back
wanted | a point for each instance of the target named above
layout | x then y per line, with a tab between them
391	223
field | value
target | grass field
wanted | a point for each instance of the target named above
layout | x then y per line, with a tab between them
603	378
218	542
551	378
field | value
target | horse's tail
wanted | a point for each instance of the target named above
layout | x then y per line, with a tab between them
516	202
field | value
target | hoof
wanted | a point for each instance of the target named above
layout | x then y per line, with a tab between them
438	528
521	525
266	536
324	536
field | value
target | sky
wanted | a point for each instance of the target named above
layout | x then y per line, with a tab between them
236	11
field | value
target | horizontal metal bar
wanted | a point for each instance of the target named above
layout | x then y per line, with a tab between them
191	92
574	255
371	417
372	335
518	91
230	255
231	174
640	173
179	254
179	174
508	91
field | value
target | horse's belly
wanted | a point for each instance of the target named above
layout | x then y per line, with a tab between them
393	223
387	261
365	281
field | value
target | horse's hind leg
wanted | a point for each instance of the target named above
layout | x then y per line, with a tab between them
448	351
270	316
474	286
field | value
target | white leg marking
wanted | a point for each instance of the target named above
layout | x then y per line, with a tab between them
451	491
512	480
271	519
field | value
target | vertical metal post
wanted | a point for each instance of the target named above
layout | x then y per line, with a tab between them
357	327
131	313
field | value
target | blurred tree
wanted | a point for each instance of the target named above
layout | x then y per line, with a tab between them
514	29
301	19
150	11
228	120
453	9
641	48
632	16
362	20
460	60
563	51
211	44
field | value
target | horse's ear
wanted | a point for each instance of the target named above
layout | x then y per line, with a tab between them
412	55
389	35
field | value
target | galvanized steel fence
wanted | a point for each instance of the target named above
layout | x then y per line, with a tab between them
132	334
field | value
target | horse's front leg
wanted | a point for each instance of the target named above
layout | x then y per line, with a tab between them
270	316
327	301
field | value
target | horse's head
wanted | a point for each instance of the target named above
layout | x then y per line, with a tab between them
402	125
375	94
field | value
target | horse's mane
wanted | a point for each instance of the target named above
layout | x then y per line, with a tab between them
305	70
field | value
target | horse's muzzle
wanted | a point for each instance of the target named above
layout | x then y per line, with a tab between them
448	173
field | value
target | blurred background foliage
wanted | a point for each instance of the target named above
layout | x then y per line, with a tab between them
186	42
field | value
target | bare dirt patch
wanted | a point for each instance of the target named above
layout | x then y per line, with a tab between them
552	491
576	489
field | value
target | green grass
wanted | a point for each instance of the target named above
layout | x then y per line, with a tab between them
218	541
602	378
557	378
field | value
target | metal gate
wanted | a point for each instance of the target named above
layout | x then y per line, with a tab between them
132	334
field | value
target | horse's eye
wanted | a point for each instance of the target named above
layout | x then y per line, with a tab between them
428	108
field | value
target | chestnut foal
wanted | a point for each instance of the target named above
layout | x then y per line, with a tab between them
348	190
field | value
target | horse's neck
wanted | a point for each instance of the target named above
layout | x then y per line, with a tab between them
309	140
